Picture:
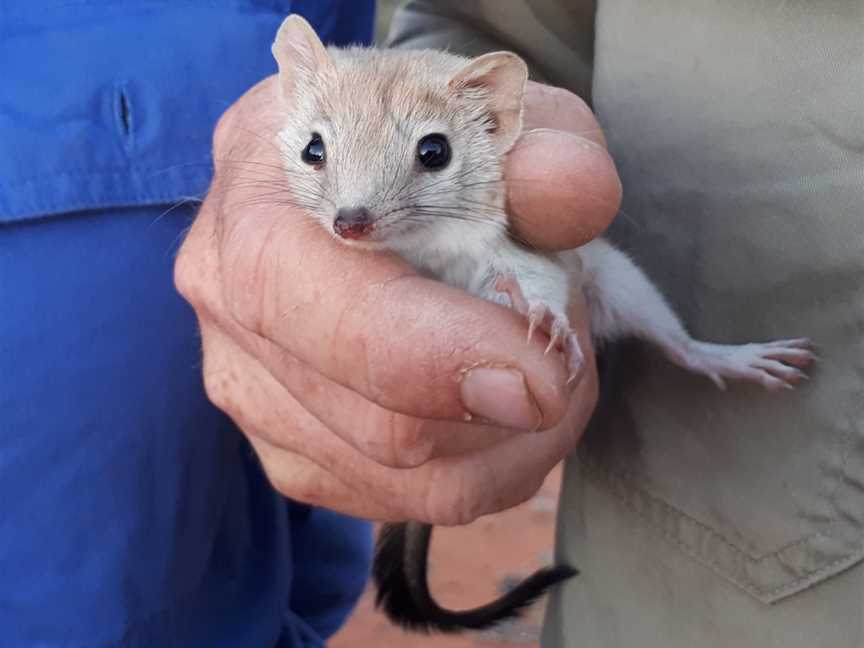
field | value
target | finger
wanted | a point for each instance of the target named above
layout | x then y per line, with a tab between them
562	189
459	489
304	481
549	107
287	437
389	438
296	451
510	472
434	352
449	490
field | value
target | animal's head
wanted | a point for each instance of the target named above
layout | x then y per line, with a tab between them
389	147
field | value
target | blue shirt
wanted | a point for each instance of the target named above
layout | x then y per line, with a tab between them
132	512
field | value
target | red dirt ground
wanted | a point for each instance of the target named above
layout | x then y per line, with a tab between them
468	565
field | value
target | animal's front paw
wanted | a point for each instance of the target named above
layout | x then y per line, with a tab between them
774	365
552	320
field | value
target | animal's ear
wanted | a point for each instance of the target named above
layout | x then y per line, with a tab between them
300	54
499	80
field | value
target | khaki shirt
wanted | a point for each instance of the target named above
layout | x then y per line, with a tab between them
704	519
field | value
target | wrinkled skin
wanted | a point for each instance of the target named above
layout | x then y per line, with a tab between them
362	386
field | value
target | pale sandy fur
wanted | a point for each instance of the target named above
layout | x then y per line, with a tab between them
372	106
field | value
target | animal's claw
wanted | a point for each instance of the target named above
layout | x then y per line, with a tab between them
717	380
557	333
537	314
574	357
555	325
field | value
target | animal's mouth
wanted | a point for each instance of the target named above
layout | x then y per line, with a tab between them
354	223
353	232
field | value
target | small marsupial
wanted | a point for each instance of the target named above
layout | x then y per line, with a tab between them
402	151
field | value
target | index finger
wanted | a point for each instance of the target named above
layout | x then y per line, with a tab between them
433	352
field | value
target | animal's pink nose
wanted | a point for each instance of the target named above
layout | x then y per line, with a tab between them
353	222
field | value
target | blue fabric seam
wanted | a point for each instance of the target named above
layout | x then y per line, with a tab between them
99	170
44	208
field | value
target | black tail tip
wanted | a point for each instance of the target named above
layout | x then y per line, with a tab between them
563	572
408	602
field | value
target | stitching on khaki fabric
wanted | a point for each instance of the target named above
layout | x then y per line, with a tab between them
747	584
845	453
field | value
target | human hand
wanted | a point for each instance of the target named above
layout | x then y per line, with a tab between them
563	189
363	409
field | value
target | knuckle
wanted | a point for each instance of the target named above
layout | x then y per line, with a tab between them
281	483
285	483
291	475
573	101
186	280
455	501
560	96
217	390
193	271
220	381
410	440
564	99
530	487
224	129
395	440
394	373
300	490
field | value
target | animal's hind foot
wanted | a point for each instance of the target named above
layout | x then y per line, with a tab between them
775	365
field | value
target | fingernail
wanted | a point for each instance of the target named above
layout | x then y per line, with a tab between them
500	396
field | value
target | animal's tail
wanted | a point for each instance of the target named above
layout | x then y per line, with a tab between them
399	571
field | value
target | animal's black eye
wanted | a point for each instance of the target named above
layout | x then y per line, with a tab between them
314	151
433	152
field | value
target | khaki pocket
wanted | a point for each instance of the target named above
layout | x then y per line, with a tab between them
766	490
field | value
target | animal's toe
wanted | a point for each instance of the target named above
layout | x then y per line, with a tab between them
557	332
780	370
536	318
794	343
792	356
771	383
574	357
507	284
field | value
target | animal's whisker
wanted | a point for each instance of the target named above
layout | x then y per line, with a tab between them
180	203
